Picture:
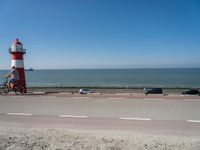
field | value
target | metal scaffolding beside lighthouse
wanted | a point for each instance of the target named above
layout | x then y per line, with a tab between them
17	51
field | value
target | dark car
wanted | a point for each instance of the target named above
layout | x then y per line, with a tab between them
153	91
191	92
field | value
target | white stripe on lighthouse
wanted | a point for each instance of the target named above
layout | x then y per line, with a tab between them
18	63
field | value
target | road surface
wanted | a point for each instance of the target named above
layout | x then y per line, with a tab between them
148	115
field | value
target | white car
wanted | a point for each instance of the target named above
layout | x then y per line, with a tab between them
85	91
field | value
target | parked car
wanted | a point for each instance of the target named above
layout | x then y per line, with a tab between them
153	91
191	92
85	91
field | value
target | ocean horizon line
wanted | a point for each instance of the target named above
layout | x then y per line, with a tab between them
109	68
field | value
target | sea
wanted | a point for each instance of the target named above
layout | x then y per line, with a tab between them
117	78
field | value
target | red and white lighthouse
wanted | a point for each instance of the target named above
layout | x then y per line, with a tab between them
17	53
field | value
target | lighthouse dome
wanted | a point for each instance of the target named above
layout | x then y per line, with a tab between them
17	42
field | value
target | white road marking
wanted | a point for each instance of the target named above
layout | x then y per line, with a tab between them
194	121
39	92
116	98
71	116
139	119
153	98
94	93
19	114
191	99
17	96
81	97
49	97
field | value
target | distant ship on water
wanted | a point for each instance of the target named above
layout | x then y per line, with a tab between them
29	69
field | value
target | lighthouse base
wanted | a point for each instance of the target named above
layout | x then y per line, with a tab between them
22	79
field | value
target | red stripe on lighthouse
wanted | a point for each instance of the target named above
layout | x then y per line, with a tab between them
16	56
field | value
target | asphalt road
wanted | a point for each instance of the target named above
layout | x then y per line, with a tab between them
168	116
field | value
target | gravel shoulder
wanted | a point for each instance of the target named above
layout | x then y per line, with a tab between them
65	139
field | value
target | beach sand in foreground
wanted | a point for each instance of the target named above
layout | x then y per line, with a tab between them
63	139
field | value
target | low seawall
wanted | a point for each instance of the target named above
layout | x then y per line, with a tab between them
102	89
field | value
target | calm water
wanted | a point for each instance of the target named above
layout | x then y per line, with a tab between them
114	78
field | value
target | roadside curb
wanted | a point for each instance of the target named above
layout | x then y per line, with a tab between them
65	93
124	94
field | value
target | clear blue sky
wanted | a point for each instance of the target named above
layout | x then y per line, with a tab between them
102	33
